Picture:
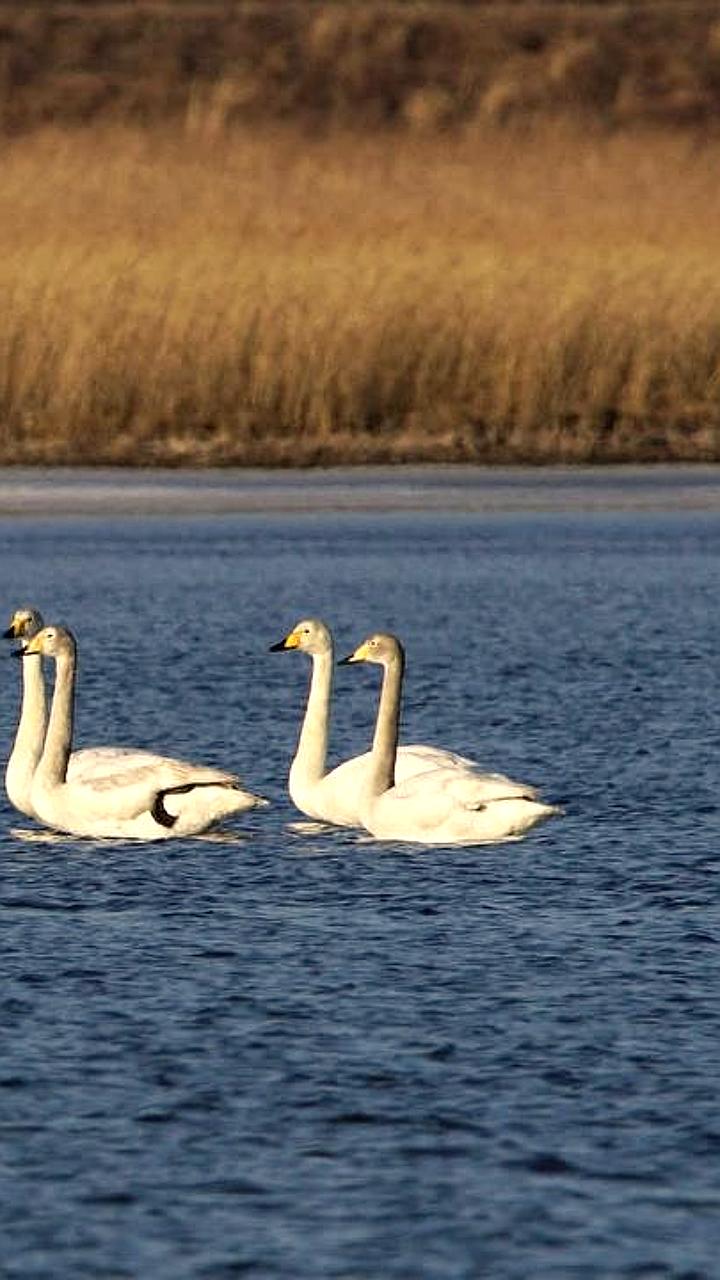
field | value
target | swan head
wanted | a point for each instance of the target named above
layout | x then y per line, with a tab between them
310	636
51	642
381	647
24	624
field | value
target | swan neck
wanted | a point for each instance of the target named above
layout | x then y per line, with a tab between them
387	727
33	710
29	735
312	745
58	739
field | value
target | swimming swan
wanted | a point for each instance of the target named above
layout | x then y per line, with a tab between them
146	802
444	806
30	734
335	796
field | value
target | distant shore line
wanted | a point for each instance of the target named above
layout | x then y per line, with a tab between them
30	493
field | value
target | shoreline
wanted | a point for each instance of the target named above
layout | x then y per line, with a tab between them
36	493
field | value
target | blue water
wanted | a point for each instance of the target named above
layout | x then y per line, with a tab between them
313	1056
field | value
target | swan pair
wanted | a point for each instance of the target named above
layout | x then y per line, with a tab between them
101	791
416	793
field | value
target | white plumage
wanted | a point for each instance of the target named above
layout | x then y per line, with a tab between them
458	806
335	795
138	795
32	723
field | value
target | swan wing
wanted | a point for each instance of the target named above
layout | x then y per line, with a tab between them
410	762
89	762
474	790
159	790
468	787
160	771
133	786
337	796
453	813
417	757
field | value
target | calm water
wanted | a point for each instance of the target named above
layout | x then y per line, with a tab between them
312	1057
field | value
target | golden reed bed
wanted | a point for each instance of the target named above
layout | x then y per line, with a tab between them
191	296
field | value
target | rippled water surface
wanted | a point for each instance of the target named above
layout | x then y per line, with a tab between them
308	1056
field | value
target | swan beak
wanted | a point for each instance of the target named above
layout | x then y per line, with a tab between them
31	647
291	641
360	655
10	634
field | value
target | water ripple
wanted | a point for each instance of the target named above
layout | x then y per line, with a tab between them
288	1051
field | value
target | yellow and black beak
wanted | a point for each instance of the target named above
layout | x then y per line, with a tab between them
14	631
360	655
33	646
291	641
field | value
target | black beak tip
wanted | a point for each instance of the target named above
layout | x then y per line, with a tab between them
9	634
345	662
277	648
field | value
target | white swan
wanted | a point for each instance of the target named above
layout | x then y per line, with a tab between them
150	801
30	735
335	796
443	806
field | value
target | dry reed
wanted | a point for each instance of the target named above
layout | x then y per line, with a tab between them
272	300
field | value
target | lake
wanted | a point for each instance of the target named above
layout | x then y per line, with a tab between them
305	1056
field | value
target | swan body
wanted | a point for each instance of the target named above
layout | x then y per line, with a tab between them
334	796
152	800
30	735
439	806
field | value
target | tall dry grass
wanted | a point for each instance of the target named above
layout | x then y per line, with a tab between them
266	299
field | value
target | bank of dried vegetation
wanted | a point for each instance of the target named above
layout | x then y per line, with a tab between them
198	286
